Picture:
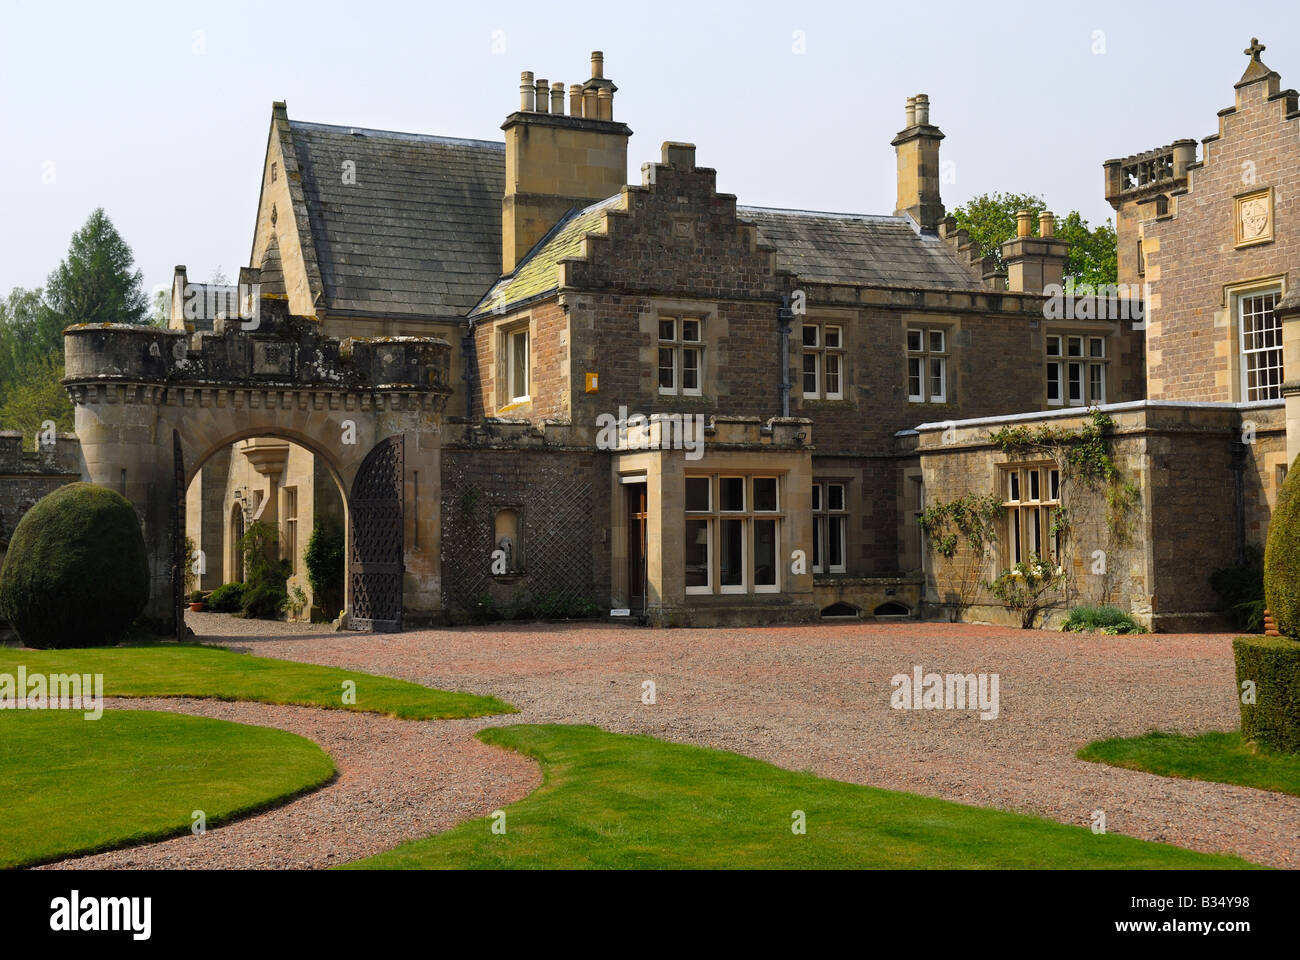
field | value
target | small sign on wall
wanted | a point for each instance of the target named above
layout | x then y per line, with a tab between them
620	612
593	385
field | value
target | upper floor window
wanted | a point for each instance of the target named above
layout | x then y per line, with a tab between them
1261	345
517	364
927	365
1076	370
681	355
823	361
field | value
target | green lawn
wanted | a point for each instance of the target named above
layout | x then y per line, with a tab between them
615	801
1220	757
71	786
196	671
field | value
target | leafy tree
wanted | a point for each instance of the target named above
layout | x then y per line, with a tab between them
97	283
990	220
28	332
35	396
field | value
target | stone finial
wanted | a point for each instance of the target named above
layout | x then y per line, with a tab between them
527	92
1253	51
1024	223
1046	224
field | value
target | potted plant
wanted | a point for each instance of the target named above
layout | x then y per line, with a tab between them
196	601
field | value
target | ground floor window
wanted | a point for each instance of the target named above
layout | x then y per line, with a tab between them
830	526
732	534
1031	498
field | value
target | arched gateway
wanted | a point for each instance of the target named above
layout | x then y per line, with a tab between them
152	405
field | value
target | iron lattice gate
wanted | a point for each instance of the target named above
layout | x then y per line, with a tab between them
178	537
375	559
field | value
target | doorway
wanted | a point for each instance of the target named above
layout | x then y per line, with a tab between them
636	546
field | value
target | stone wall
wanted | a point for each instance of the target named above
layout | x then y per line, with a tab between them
27	475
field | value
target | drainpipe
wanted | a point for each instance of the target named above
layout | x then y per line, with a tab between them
466	350
784	316
1238	468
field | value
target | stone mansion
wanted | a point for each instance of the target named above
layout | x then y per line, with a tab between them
788	390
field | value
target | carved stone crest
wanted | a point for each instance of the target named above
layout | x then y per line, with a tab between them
1254	221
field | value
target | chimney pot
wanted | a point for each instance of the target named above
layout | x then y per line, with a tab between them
1024	223
526	91
911	114
605	103
597	65
922	109
589	109
557	98
1047	224
543	92
575	100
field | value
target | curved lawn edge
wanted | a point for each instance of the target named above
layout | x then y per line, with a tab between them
205	671
1215	757
618	801
102	793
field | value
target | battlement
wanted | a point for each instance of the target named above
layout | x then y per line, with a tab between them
1159	169
271	348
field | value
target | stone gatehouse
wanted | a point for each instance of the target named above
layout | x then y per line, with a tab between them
652	398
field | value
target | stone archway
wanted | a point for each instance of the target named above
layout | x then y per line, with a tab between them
152	405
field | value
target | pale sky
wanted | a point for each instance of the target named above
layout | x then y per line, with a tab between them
159	111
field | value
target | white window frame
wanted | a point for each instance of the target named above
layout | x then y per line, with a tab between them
510	335
679	347
1248	352
1064	364
747	516
926	356
821	354
823	517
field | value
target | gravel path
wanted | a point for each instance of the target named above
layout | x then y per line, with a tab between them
817	698
397	780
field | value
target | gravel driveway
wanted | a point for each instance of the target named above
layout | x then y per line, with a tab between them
397	780
818	698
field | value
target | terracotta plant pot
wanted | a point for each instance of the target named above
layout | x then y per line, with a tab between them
197	607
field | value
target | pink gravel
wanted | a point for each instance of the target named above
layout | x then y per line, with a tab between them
397	780
817	698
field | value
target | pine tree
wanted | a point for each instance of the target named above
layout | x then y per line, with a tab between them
97	282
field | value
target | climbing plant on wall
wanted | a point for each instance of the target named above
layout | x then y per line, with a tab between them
964	533
1085	460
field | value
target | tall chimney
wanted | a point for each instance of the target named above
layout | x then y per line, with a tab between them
917	150
556	162
1034	262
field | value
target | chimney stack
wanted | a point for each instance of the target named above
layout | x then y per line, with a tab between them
556	162
1034	262
917	150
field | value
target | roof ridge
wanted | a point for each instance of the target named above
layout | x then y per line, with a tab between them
878	217
398	134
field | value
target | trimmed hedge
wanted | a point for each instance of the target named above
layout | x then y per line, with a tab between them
1282	557
76	574
1273	663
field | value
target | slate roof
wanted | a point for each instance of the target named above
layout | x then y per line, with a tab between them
859	249
417	234
536	273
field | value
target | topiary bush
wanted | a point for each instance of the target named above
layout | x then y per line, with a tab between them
76	574
1271	668
1282	557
